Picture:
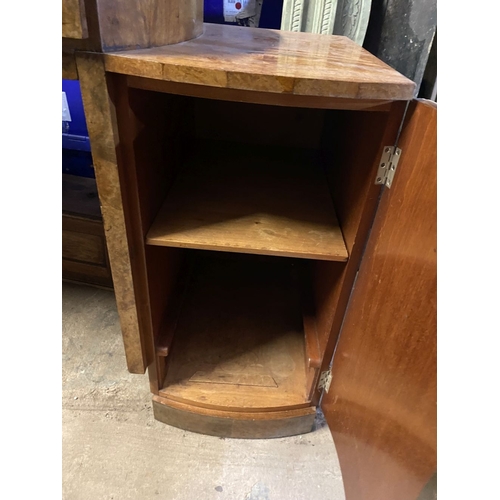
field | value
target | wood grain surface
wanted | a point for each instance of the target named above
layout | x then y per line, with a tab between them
251	199
312	351
68	64
91	42
138	24
272	61
101	123
74	22
254	425
83	246
84	255
239	342
381	406
257	97
148	130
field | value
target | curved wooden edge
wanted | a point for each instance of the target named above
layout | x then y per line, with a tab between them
164	23
236	409
231	424
256	97
274	61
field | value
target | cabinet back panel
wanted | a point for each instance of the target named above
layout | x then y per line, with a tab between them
258	123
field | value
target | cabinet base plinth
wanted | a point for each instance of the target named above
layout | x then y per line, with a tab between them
231	424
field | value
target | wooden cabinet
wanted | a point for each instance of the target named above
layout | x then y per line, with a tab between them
252	234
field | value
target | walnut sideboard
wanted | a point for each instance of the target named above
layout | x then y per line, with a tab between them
269	203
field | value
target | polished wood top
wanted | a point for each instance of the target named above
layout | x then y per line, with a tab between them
265	60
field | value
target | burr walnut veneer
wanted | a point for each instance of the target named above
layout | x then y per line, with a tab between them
252	241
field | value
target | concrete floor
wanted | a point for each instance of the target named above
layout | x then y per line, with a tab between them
114	449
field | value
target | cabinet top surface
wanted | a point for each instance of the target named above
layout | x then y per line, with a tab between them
268	61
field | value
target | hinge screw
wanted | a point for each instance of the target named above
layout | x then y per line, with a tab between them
382	165
387	150
379	179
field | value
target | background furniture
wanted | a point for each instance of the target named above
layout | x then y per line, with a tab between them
328	17
84	254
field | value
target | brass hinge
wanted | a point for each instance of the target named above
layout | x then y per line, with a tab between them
387	166
325	379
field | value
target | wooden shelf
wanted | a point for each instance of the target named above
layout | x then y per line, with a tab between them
239	341
266	200
263	60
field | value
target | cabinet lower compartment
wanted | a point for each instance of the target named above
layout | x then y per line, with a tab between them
239	337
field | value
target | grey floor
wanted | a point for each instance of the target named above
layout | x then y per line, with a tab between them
114	449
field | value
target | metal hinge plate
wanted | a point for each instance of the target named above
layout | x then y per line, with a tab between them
325	379
387	166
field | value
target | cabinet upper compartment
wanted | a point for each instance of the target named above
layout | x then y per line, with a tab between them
250	199
261	60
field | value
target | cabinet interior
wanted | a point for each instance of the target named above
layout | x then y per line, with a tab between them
248	215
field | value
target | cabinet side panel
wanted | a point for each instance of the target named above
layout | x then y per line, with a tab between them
352	145
101	122
154	130
381	406
150	127
257	124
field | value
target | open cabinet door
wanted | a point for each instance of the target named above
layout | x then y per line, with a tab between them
381	404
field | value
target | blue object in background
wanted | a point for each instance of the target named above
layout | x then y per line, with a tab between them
214	12
270	17
75	135
76	157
